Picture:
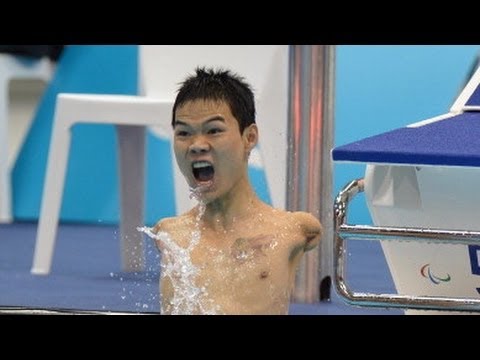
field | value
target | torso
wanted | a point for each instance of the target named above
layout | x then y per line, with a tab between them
249	269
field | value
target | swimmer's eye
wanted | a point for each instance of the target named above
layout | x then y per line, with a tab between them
181	133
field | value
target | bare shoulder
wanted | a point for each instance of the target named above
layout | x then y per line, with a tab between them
311	227
308	222
175	223
166	224
172	230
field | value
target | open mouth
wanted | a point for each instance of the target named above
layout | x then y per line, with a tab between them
203	172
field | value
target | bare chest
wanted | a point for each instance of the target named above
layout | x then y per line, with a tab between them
248	270
240	261
238	275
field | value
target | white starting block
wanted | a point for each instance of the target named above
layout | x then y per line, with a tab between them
421	188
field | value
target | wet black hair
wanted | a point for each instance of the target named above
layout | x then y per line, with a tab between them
221	85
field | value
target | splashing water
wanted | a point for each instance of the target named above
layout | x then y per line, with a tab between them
177	265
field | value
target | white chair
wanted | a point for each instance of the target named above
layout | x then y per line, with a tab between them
13	68
162	67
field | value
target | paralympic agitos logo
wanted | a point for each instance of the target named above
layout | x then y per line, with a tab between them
426	272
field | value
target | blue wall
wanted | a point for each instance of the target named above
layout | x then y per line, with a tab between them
378	88
90	184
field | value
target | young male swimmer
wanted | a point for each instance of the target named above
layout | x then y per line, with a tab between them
232	253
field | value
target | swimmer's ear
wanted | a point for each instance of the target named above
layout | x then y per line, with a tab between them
250	137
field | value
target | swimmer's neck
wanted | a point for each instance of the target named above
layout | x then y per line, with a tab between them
222	213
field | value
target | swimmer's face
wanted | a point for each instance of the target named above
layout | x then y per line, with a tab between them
209	149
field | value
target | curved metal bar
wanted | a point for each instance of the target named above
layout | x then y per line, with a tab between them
343	231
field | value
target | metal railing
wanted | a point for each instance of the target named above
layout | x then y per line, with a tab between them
344	232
